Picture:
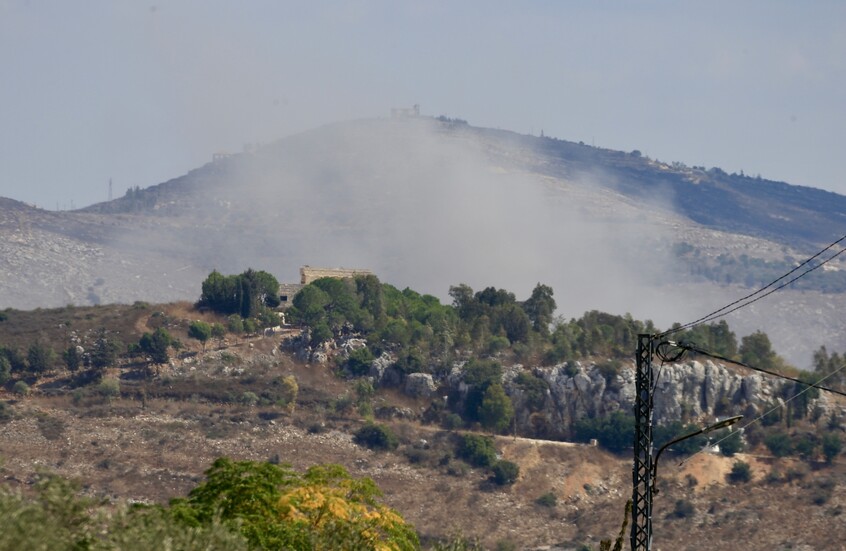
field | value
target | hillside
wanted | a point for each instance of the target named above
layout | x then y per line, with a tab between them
152	439
429	204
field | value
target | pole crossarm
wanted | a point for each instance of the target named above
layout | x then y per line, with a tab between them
642	469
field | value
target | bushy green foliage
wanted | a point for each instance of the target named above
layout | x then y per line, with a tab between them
831	446
200	331
480	375
20	388
358	362
245	294
755	349
534	390
732	444
5	369
40	357
547	500
376	437
476	450
17	361
105	351
155	345
613	432
496	411
274	507
71	358
505	472
741	472
667	432
779	444
714	337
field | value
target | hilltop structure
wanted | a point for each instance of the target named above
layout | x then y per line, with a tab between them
309	274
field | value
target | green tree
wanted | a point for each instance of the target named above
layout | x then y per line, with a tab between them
290	390
5	369
371	296
235	324
200	331
245	294
309	305
479	374
20	388
495	411
218	332
505	472
476	450
831	446
540	308
40	357
740	472
156	344
756	350
779	444
105	351
731	444
614	432
359	362
275	507
72	358
376	437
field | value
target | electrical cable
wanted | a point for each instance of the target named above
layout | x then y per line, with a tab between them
692	347
741	302
778	406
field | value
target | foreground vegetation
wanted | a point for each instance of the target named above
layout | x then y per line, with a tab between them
240	505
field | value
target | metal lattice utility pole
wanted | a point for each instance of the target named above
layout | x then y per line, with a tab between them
642	472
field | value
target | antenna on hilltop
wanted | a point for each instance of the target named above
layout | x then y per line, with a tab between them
110	189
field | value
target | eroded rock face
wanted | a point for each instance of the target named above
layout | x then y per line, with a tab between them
576	390
420	385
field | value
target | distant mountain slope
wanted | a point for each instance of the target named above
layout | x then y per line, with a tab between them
429	204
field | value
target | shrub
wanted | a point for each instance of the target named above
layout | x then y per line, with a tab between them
505	472
452	421
376	437
5	412
683	509
109	388
358	364
732	444
21	388
477	450
5	369
547	500
609	370
741	472
249	398
831	446
806	446
495	412
614	432
779	444
290	390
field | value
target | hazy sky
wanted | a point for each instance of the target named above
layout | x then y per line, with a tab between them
142	92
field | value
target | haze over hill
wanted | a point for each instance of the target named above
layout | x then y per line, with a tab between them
428	204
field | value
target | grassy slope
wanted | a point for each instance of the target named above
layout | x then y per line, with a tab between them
157	448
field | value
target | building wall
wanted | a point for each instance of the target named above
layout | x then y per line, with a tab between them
309	274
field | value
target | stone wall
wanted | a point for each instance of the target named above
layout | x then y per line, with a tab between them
309	273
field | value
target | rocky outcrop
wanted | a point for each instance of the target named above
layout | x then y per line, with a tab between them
575	390
419	385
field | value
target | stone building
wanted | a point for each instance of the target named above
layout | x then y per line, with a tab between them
309	274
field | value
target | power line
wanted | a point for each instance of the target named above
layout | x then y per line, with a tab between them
693	348
778	406
741	302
